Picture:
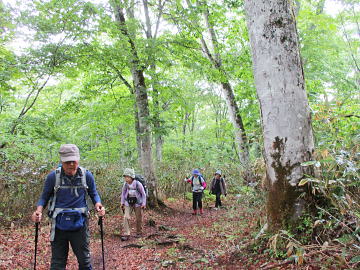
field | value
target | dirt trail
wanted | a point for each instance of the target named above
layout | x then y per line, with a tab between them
173	239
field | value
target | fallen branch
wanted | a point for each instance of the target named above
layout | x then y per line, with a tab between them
165	228
132	246
271	266
186	247
153	235
167	243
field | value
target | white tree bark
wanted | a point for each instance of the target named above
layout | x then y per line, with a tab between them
280	85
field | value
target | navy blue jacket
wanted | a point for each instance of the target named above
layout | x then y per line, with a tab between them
66	198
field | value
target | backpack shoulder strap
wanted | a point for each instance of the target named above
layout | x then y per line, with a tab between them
83	177
137	185
56	188
201	179
85	186
57	179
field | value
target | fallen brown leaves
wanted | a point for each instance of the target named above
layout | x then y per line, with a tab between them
172	239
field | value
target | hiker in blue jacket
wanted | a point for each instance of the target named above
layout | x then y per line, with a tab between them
66	188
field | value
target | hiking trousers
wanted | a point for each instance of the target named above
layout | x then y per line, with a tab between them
218	199
138	217
79	241
197	196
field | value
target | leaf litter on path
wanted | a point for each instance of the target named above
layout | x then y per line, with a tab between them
172	239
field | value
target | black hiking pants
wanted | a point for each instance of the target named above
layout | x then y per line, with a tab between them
79	241
197	203
218	199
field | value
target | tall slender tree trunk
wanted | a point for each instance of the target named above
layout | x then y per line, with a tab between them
240	135
145	133
159	138
136	114
137	130
286	121
141	96
235	117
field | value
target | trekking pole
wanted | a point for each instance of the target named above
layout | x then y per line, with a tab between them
36	241
100	223
184	193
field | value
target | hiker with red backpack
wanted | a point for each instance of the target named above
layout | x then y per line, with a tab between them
133	199
65	190
218	188
198	184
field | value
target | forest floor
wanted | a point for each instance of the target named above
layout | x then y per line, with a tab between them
173	239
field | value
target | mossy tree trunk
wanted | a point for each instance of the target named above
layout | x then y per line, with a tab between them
286	120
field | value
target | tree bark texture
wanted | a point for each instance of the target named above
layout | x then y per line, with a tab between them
145	133
286	120
240	135
159	138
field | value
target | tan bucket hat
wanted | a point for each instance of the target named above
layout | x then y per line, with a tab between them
69	152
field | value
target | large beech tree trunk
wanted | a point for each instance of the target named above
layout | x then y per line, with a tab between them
141	96
286	121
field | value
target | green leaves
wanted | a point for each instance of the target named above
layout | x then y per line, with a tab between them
355	259
310	163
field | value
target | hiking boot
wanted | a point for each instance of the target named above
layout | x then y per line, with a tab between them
201	211
194	213
125	237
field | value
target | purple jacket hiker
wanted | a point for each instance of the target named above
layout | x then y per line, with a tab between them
140	194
